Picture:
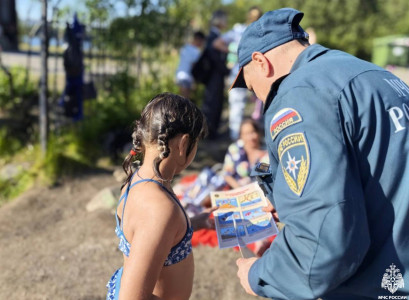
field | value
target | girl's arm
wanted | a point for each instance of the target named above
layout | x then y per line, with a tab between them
154	222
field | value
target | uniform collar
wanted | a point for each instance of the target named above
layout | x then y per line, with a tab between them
273	92
309	54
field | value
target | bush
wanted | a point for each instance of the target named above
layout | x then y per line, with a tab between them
17	121
13	96
8	144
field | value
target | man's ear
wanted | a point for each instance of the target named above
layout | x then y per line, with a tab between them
262	64
183	144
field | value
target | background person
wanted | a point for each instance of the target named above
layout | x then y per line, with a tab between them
189	54
339	152
228	43
243	155
73	58
240	158
214	87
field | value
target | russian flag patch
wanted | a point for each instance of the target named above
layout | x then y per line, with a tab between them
283	119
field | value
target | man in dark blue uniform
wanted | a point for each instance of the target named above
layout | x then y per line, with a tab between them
337	132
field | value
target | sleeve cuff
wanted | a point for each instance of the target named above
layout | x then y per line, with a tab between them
253	277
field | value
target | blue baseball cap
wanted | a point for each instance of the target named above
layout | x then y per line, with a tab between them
273	29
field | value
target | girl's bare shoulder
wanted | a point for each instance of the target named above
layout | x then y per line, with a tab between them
152	202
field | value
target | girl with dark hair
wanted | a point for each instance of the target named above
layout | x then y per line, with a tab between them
244	154
153	228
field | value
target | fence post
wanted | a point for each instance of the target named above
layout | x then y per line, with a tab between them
43	84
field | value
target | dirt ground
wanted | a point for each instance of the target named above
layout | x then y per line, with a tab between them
51	247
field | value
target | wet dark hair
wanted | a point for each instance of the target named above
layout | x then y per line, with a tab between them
163	118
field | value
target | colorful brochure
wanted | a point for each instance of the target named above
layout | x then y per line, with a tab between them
240	219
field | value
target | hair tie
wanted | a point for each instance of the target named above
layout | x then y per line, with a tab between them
132	152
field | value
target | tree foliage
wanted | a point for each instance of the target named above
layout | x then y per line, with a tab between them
351	25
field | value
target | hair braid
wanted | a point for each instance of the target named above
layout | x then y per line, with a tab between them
163	145
137	148
163	118
137	137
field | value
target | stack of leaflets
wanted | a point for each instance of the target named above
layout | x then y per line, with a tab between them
240	219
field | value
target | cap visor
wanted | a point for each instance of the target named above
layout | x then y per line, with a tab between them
239	81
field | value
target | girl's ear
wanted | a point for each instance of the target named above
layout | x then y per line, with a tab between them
183	144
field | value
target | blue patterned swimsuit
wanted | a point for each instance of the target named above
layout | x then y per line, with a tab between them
178	252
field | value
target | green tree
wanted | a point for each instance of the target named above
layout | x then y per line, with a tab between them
351	25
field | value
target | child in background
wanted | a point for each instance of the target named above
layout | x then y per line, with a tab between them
189	54
154	231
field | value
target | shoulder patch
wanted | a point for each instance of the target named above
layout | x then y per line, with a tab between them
294	158
283	119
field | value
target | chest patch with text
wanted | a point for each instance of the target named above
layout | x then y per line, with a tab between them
294	158
283	119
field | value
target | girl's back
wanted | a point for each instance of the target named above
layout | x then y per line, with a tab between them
153	229
157	221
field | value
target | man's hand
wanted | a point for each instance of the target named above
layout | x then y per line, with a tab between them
202	221
270	208
244	265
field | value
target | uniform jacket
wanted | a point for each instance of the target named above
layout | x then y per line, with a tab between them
337	131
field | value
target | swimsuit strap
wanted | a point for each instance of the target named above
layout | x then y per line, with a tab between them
125	197
172	195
